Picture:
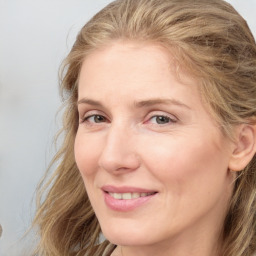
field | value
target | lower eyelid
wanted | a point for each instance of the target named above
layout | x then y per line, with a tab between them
82	120
94	122
170	119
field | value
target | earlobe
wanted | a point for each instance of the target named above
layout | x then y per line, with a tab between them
245	147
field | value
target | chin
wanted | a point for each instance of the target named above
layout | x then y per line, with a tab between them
120	236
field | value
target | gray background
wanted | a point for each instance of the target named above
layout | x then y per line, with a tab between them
35	36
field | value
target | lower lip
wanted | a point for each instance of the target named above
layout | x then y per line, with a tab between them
123	205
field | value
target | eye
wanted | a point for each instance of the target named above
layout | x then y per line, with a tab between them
161	119
95	119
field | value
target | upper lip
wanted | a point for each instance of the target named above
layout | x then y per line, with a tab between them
125	189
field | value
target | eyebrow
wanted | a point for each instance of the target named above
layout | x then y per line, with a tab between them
89	102
159	101
139	104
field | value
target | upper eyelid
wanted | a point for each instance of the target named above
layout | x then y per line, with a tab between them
83	113
94	115
171	120
86	107
162	113
84	119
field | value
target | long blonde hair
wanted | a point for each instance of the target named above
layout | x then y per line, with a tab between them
213	42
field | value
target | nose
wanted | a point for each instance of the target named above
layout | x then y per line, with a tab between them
119	151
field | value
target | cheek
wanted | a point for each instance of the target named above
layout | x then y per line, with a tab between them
193	177
186	161
86	154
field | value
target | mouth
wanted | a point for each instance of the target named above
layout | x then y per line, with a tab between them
129	196
126	198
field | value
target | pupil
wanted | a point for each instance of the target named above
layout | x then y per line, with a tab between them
162	120
99	119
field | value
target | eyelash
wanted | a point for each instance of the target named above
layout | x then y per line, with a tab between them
86	118
167	118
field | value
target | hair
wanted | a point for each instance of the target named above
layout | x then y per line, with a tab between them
214	44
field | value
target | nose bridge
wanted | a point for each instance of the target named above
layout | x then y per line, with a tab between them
119	150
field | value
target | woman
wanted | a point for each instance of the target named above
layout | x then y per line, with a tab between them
159	148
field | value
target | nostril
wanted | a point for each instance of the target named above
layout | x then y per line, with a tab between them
119	161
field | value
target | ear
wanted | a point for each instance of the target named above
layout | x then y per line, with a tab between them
244	147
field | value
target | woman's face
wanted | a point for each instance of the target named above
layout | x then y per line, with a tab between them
154	162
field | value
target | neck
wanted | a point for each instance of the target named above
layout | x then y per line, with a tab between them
198	250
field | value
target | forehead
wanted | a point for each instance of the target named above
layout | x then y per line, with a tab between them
133	65
123	74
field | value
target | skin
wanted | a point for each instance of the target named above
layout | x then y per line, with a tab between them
171	146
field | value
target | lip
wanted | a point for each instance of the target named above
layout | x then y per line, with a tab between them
125	189
123	205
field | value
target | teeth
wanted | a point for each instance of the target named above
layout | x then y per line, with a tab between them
136	195
117	196
128	196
